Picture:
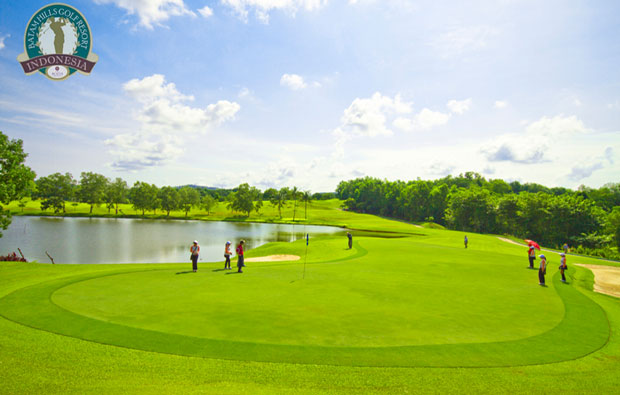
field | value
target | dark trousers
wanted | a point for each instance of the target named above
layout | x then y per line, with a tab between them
531	261
541	277
194	262
350	243
240	263
227	263
563	277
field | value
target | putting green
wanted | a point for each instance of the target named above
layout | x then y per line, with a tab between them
389	302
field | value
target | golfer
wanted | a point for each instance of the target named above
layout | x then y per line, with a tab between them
239	250
195	250
542	270
227	255
563	266
531	254
465	241
565	248
350	236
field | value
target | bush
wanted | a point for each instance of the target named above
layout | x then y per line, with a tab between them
604	252
12	257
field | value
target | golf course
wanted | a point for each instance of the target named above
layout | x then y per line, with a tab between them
407	309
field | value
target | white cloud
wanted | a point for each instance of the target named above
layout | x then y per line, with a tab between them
367	117
426	119
262	8
530	146
151	12
293	81
556	127
297	82
582	171
2	38
459	107
245	93
460	40
165	122
614	106
500	104
205	11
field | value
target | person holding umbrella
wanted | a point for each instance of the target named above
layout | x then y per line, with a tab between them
531	253
563	266
542	270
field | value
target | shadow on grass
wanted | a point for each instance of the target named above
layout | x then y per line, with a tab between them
189	271
218	270
234	273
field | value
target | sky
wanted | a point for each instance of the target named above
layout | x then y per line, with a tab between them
309	93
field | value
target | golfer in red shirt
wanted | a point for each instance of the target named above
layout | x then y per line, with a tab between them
239	251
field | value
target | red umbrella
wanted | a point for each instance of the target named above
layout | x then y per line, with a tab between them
532	243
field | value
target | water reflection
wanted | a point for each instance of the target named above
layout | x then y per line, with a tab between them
122	240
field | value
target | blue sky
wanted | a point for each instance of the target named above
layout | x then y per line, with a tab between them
308	93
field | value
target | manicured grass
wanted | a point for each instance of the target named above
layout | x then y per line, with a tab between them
417	313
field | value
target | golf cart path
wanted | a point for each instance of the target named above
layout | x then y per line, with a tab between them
606	278
273	258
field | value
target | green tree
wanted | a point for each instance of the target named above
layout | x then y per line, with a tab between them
279	200
143	196
15	176
116	192
188	198
269	194
306	197
55	190
246	199
294	195
169	199
92	189
207	202
472	210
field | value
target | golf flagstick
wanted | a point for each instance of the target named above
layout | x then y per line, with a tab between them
306	256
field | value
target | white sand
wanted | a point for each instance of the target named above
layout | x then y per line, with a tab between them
606	279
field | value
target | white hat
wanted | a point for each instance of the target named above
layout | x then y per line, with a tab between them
195	242
542	256
562	254
228	242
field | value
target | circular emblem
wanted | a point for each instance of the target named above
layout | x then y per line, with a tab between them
57	43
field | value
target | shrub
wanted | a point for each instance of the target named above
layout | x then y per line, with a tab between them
12	257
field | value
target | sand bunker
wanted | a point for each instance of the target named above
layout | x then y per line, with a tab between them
273	258
606	279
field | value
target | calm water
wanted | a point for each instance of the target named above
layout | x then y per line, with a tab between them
106	240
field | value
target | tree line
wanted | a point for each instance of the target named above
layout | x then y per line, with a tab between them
586	217
57	189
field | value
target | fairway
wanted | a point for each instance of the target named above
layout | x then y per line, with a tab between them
406	301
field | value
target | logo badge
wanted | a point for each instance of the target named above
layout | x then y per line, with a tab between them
57	43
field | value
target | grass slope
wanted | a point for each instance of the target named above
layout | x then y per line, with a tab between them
371	319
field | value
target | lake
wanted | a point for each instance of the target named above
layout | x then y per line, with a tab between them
124	240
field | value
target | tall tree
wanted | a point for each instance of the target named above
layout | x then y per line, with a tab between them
169	199
55	190
246	199
306	197
116	192
92	189
279	200
207	202
15	176
294	195
143	196
188	198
